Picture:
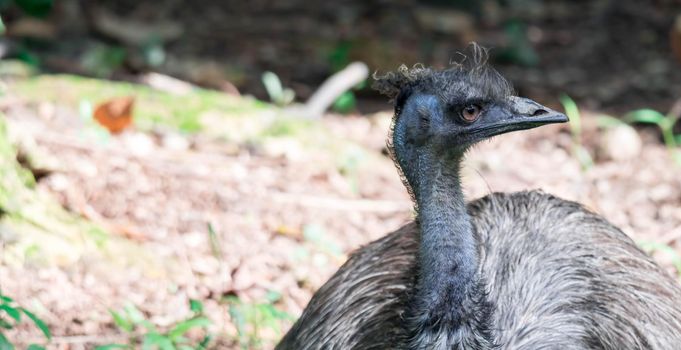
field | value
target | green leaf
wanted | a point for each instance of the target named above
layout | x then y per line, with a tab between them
204	342
155	339
134	314
184	326
29	58
345	103
112	346
339	57
215	245
676	154
237	314
123	323
568	104
35	347
103	60
5	344
649	116
282	315
273	86
6	299
584	158
154	53
6	325
572	112
196	306
12	312
38	322
272	296
278	94
38	8
677	138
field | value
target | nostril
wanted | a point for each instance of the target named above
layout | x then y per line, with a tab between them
539	112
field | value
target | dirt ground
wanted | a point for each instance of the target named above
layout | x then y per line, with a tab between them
286	215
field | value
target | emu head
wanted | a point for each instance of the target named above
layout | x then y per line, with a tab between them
440	114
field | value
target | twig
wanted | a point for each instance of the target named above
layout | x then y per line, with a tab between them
333	87
340	204
83	339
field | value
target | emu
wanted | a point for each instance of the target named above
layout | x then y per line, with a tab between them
522	270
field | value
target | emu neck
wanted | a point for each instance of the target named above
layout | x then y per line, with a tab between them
448	253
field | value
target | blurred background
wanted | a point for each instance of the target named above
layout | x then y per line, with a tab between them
178	173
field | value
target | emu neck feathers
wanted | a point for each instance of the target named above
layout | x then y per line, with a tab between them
448	253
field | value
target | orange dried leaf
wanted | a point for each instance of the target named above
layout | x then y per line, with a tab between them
115	114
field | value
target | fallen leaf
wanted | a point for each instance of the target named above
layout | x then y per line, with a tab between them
115	114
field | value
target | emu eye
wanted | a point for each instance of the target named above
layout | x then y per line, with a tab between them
471	113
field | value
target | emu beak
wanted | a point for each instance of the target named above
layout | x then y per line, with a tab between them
517	114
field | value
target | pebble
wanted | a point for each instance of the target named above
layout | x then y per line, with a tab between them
621	142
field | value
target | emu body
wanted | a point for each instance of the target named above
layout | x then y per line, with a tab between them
557	277
509	271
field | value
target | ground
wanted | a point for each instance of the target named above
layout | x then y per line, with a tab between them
248	207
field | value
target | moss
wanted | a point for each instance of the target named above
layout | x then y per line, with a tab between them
152	107
37	230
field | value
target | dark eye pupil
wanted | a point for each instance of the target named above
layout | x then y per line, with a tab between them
470	113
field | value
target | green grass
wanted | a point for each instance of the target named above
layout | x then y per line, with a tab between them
41	217
143	334
252	319
664	122
579	152
152	107
11	315
211	113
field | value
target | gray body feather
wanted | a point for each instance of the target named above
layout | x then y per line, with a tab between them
556	276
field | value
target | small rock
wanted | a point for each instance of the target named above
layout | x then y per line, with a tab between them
8	235
287	147
661	192
139	144
59	182
206	265
621	142
175	142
